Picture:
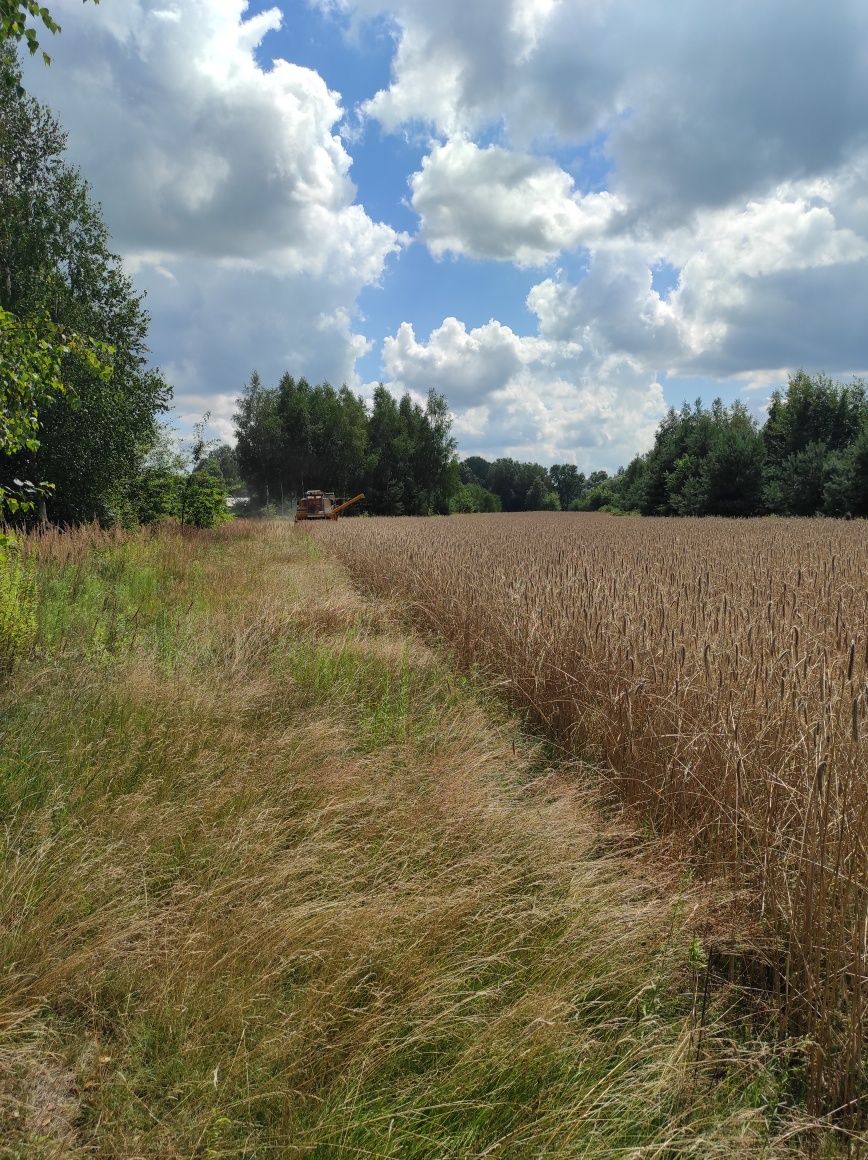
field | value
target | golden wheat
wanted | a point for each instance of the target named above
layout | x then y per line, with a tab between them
716	672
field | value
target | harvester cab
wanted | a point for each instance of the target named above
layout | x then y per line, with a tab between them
320	505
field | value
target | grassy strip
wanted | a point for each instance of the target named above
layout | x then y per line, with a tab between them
277	881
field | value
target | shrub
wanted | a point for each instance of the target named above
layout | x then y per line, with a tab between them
472	497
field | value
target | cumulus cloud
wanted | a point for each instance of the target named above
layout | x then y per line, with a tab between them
784	257
215	322
725	162
727	142
776	283
501	204
586	388
702	102
530	396
225	186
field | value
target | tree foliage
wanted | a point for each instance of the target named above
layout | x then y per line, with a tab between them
296	436
183	482
222	460
809	458
514	483
472	498
812	439
17	21
80	397
705	461
31	357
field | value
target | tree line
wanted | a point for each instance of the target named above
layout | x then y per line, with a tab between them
810	457
295	436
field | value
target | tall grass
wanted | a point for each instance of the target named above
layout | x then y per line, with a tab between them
717	671
275	880
17	610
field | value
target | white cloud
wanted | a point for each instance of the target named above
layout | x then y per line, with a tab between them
702	102
191	407
732	140
530	396
735	263
728	313
724	161
225	186
585	387
495	203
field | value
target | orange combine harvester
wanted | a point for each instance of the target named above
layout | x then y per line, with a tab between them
320	505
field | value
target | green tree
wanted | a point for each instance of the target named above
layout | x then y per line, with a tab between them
300	436
674	440
259	446
299	465
60	281
513	482
222	461
838	486
435	468
687	487
17	20
858	455
412	465
182	481
541	498
705	461
31	358
390	456
603	495
814	409
568	482
201	490
475	469
202	501
808	434
631	491
733	472
342	439
802	480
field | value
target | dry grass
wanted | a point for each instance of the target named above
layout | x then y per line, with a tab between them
717	673
277	881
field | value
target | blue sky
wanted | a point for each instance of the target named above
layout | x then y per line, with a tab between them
356	61
565	217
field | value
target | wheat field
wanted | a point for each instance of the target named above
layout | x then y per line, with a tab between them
714	675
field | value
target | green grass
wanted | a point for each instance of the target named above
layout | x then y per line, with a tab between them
277	881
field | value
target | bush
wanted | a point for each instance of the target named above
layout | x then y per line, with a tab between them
155	496
198	499
473	497
203	500
599	498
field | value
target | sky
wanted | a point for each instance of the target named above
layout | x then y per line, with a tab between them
565	215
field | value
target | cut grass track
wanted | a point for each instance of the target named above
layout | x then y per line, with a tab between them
277	880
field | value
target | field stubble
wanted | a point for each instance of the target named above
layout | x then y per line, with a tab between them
717	674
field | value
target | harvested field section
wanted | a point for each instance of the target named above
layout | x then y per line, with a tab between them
716	671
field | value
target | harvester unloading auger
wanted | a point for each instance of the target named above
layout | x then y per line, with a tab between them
320	505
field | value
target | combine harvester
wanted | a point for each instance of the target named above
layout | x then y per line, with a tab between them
320	505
